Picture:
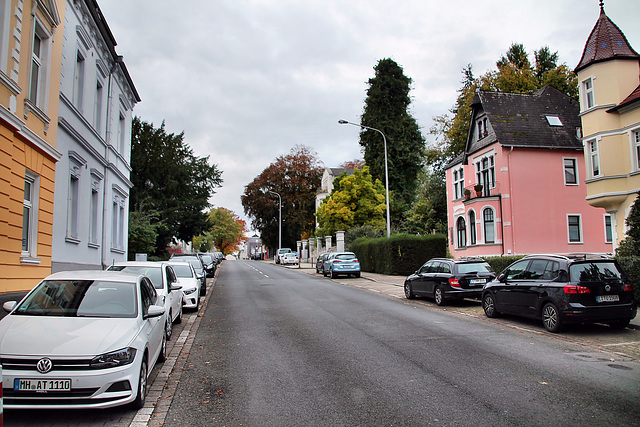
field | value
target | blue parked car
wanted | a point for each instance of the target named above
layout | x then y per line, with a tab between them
341	263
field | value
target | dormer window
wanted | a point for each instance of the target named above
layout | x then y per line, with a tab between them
554	121
482	128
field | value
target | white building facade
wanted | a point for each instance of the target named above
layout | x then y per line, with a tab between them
97	97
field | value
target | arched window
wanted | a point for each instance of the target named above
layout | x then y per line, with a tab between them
461	232
472	227
489	226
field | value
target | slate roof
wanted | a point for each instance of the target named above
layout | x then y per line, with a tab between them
606	42
519	120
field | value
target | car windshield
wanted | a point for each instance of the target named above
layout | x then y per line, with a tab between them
195	262
80	298
345	256
474	267
182	270
594	271
208	259
153	273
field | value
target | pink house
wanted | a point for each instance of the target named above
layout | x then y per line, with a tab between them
525	153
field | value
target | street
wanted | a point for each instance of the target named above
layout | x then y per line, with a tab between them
276	346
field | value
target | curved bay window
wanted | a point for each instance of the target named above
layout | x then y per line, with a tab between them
461	232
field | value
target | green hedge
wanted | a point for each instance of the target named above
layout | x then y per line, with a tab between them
499	263
401	254
631	266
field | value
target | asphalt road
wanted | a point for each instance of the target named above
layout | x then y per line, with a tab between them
277	347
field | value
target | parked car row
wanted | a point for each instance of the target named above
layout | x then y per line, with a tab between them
88	339
338	263
557	289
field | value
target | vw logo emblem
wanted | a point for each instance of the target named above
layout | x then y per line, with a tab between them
44	365
607	288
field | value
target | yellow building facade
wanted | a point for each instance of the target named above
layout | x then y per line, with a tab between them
30	68
609	76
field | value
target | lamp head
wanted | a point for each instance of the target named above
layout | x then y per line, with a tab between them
343	122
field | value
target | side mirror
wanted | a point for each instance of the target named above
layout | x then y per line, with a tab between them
175	287
9	306
502	277
154	311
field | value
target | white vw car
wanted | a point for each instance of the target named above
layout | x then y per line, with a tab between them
82	339
166	283
189	281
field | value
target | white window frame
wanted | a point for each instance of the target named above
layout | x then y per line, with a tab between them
593	157
97	106
486	175
121	132
78	80
575	170
608	228
581	237
40	82
493	226
460	234
30	209
73	207
457	176
588	93
5	36
635	147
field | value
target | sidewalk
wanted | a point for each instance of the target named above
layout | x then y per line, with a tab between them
384	281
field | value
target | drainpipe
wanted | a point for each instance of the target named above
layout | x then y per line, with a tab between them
105	204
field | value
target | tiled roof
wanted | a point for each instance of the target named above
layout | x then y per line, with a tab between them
520	120
634	97
606	42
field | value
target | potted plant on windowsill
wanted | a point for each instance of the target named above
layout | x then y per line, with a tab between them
478	188
467	194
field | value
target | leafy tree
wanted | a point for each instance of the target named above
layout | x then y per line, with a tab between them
429	212
142	233
353	164
170	181
630	246
226	231
386	109
296	177
355	200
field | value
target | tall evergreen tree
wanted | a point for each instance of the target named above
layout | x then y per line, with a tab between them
386	109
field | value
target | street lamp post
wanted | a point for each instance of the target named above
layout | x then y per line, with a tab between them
279	220
386	168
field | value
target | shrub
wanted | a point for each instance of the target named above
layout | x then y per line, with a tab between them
499	263
631	266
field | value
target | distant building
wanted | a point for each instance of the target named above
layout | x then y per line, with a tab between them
31	41
524	155
254	248
609	76
97	97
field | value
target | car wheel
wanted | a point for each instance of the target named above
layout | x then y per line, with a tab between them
333	275
489	306
324	273
619	324
142	386
551	318
357	275
168	327
163	349
438	295
203	290
408	292
197	304
179	318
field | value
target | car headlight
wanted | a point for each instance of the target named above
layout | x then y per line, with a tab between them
113	359
189	291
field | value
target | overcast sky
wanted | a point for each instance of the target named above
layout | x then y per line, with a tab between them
246	80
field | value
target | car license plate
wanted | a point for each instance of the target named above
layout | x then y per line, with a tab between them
30	384
607	298
478	281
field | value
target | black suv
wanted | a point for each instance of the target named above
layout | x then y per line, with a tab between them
558	289
445	279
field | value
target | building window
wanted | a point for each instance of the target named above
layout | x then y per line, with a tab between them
554	121
458	183
587	93
575	228
72	220
39	66
635	141
30	215
78	83
97	108
461	230
93	222
118	223
570	171
121	129
472	227
608	231
36	64
5	36
489	226
594	158
486	174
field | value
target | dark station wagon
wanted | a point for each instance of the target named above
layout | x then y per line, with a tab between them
580	288
446	279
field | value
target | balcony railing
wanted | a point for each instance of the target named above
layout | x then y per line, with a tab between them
485	192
